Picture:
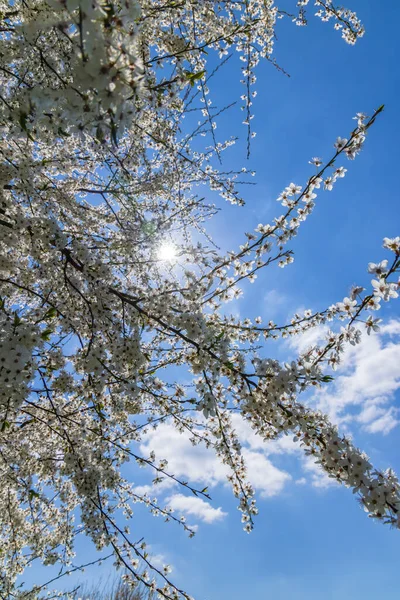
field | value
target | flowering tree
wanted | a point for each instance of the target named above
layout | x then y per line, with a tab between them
97	175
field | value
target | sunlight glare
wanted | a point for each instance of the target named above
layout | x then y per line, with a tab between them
167	252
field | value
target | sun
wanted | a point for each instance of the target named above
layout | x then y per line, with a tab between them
167	252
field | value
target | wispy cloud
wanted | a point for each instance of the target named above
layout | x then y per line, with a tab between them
200	465
365	382
317	477
274	303
196	507
361	397
197	463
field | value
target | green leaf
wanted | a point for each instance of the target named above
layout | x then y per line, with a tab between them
6	224
5	425
23	118
99	411
63	133
45	335
149	228
114	131
193	77
51	313
33	494
99	134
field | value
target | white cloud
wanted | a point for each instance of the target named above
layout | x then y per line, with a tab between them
247	436
143	490
384	421
302	342
392	327
365	381
150	490
158	559
301	481
283	445
263	475
273	303
361	395
319	478
197	463
200	465
196	507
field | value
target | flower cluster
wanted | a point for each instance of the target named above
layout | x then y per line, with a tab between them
97	172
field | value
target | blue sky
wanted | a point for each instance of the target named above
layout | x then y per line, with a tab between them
310	541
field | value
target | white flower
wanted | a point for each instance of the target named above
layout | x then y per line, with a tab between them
334	361
360	118
309	196
372	324
384	290
378	268
379	287
356	291
392	244
347	305
316	182
340	143
374	303
339	172
293	189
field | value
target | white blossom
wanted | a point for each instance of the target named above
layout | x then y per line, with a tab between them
110	284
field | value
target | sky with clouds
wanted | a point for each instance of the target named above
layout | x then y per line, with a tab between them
311	538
